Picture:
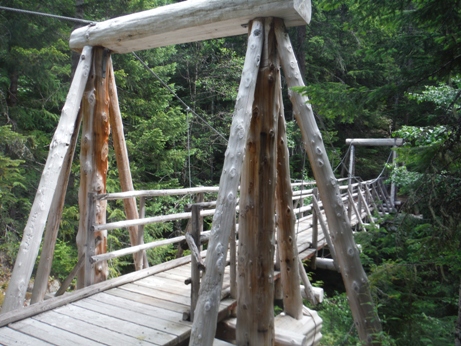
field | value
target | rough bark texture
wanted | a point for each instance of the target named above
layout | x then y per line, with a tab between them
355	280
286	236
93	158
59	148
255	317
204	326
123	166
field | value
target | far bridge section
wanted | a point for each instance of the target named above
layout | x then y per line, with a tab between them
153	305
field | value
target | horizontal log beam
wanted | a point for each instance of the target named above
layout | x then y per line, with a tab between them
186	21
378	142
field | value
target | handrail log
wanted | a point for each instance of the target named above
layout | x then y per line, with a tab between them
148	220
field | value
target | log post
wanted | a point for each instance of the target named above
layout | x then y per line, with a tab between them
52	226
351	174
123	167
286	236
315	231
195	271
59	149
354	277
206	312
94	159
255	316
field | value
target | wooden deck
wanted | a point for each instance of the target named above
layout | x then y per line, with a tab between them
147	310
141	308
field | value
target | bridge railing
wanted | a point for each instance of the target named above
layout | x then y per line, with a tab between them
360	199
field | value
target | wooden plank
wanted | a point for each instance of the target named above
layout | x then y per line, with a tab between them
151	292
187	21
91	331
30	244
88	291
141	308
10	336
50	333
204	327
179	330
141	297
141	332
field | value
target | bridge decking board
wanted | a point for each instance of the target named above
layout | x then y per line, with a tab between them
147	311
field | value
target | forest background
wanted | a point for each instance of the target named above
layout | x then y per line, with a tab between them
383	68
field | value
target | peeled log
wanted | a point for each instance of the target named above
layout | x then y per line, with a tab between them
255	317
59	148
355	280
206	313
94	159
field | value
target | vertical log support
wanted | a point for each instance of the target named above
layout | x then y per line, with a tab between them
233	261
94	159
355	280
255	317
315	231
206	312
195	271
286	236
123	167
351	174
59	150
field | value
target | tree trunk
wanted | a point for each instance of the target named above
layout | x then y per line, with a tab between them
93	158
255	316
206	313
354	277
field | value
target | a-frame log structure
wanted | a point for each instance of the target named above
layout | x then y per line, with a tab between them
256	158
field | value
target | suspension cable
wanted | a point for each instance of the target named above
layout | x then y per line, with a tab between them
75	20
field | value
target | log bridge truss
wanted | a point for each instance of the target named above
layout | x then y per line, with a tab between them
255	183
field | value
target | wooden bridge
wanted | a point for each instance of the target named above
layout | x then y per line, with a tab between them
153	305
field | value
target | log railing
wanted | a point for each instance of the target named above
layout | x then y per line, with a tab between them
361	198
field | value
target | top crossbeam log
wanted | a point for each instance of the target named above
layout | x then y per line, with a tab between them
186	21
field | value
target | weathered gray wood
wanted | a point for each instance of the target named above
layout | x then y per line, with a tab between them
90	246
255	319
88	330
88	291
326	263
325	230
70	277
123	166
365	204
386	142
52	226
286	236
315	232
158	193
154	219
187	21
308	289
59	147
204	327
125	327
50	333
357	214
233	260
347	254
196	260
10	336
351	174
